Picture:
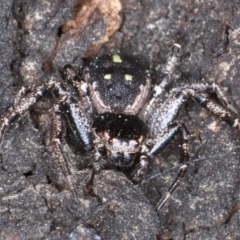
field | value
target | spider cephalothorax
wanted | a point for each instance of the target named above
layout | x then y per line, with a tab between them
122	143
119	116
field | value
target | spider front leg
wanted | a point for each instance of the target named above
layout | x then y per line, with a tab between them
161	141
166	114
159	88
80	129
201	93
56	144
211	88
223	113
140	170
224	109
76	109
80	112
80	126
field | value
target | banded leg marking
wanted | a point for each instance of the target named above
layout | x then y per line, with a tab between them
165	138
56	144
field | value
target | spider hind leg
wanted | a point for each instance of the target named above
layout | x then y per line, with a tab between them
162	140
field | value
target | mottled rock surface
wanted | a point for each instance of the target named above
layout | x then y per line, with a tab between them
35	202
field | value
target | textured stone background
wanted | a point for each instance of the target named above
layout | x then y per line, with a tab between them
34	200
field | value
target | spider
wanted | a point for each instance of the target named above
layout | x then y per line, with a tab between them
117	115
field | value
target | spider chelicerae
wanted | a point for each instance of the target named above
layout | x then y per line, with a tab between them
120	117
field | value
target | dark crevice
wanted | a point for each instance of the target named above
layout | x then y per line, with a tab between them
28	174
232	211
18	12
89	189
49	180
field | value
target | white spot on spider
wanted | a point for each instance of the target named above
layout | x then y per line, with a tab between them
158	90
84	87
143	163
185	146
39	92
183	166
6	122
236	122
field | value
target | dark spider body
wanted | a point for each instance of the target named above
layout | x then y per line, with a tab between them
119	116
119	86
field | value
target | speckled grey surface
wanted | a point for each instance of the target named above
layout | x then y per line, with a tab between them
34	200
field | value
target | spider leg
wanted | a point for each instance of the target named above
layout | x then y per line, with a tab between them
140	170
80	126
23	105
168	111
80	88
223	113
162	140
22	92
84	111
78	121
163	118
159	88
213	88
56	144
224	110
